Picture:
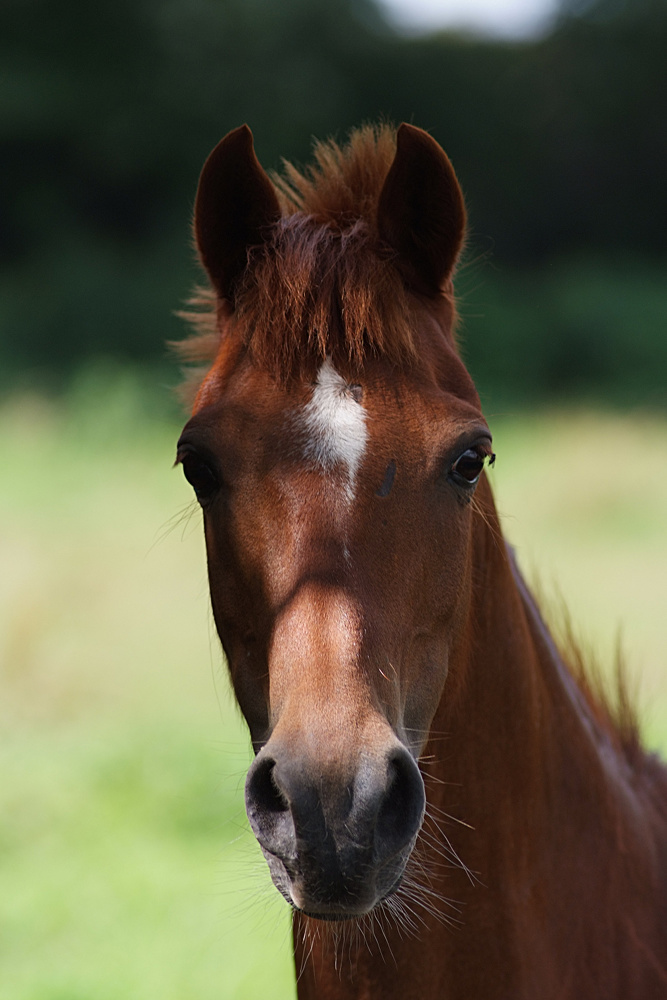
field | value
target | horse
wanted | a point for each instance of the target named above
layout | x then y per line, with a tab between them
450	808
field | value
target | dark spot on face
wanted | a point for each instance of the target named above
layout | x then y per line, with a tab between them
356	392
388	480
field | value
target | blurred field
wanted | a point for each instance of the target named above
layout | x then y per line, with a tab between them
125	863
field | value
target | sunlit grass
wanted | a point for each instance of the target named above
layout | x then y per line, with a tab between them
126	866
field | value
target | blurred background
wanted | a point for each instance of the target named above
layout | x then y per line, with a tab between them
126	869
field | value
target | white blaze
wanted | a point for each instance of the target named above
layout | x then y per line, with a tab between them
335	424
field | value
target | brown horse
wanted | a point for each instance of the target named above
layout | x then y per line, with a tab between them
450	812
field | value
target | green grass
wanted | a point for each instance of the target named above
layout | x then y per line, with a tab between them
126	866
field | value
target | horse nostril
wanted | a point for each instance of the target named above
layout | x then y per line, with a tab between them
262	785
268	809
402	808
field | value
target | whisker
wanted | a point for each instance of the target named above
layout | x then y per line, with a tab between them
494	529
433	808
447	852
182	518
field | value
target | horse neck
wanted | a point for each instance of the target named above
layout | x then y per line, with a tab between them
518	742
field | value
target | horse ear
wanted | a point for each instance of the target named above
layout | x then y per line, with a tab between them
235	204
421	214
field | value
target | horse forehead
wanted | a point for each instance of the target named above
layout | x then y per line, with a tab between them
333	423
343	420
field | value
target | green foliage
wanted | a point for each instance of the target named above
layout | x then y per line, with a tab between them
576	329
107	111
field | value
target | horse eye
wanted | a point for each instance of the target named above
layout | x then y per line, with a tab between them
467	468
200	476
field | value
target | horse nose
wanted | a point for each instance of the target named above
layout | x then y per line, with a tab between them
334	832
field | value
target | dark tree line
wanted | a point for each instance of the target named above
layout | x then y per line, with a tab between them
109	109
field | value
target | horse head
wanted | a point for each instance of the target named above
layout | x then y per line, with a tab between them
337	449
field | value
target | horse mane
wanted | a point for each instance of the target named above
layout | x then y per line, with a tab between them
609	694
323	283
610	700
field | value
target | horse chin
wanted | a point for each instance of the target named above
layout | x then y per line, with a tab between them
351	905
334	914
334	917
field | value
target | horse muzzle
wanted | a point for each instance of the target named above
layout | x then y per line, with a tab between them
336	843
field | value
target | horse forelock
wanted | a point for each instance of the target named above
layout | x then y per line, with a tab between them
314	290
322	284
